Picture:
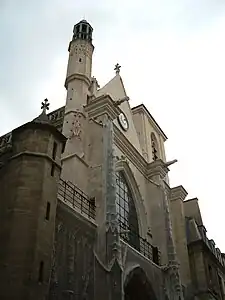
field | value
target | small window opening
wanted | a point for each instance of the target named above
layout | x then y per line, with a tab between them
80	60
47	215
77	29
84	28
41	272
53	170
54	150
155	255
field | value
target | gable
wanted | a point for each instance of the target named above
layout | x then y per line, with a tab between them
115	88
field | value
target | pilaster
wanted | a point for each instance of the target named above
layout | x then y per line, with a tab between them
177	196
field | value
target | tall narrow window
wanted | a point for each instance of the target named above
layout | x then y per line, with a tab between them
54	150
126	211
41	272
155	148
52	169
210	272
47	215
155	255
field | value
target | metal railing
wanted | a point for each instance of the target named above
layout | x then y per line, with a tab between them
140	244
74	197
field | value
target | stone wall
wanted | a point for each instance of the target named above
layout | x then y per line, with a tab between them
27	230
72	273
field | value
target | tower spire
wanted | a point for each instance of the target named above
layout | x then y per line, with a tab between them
78	81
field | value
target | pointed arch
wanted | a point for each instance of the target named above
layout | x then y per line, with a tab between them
137	284
122	166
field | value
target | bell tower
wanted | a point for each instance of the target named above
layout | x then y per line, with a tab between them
78	77
78	81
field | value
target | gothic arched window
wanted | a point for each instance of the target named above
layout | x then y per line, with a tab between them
127	215
155	148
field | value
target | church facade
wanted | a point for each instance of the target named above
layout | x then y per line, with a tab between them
86	207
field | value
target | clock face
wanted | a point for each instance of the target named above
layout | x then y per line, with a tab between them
123	121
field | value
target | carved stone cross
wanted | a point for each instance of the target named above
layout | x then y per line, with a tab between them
45	105
117	68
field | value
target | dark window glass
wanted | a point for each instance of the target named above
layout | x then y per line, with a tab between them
54	150
84	28
52	169
127	216
47	216
41	272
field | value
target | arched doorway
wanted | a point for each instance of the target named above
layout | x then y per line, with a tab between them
137	286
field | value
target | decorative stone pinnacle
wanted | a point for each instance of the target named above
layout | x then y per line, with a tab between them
45	106
117	68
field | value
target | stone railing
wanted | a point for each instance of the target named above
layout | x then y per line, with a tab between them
5	141
211	245
56	115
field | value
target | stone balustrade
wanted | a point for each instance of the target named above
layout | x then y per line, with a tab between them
212	246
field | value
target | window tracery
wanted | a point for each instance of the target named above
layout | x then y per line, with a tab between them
127	215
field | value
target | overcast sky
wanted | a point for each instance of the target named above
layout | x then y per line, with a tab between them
172	54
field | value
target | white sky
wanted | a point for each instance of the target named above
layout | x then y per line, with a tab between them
172	54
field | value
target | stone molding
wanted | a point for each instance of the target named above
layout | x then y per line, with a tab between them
37	154
63	158
178	192
77	76
157	168
102	105
122	165
132	154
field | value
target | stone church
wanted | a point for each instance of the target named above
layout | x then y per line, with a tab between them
86	209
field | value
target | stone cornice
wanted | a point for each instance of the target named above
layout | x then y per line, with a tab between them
79	77
192	199
178	192
157	168
102	105
36	154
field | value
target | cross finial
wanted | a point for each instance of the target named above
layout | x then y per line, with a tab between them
117	68
45	105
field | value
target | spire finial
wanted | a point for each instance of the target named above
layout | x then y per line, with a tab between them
117	68
45	106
